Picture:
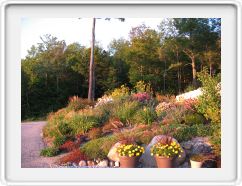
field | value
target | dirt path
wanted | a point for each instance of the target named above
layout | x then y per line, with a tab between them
31	145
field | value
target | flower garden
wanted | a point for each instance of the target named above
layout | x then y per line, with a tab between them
138	128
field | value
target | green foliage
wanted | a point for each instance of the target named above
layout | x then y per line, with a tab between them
49	151
98	148
210	106
210	101
141	86
204	130
59	140
185	133
81	123
52	71
194	118
146	115
64	128
125	111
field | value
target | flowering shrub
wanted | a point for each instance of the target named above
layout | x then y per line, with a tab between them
141	97
130	150
190	104
104	100
162	107
121	92
166	150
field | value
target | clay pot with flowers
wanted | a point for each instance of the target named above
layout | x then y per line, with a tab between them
129	155
165	152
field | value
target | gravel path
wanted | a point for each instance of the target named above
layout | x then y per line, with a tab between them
31	145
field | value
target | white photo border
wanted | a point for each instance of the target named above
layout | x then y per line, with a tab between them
3	115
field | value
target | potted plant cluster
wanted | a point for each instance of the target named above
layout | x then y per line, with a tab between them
164	153
197	160
129	155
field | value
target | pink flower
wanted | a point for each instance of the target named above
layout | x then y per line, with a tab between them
142	96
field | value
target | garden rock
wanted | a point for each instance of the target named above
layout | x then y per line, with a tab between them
149	161
82	163
91	163
113	154
103	163
210	163
198	145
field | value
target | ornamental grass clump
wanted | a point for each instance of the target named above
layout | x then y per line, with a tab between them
130	150
166	150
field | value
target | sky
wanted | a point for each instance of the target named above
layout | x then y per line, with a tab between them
78	30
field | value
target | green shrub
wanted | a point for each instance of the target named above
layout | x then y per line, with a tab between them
210	106
49	151
125	111
215	140
145	116
65	128
204	130
194	118
174	115
98	148
185	133
103	112
141	86
59	140
81	123
210	101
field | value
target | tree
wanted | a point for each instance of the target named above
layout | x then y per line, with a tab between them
91	89
143	57
192	32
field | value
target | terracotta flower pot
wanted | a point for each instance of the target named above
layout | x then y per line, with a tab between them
196	164
128	162
163	162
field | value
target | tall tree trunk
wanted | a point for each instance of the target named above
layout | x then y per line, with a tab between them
57	84
211	69
194	72
179	80
91	88
192	55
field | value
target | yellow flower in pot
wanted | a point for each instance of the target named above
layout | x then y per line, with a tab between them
164	153
129	155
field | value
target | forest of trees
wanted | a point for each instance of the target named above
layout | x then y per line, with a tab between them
168	58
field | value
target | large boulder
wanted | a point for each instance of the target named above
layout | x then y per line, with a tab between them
113	154
149	161
198	145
